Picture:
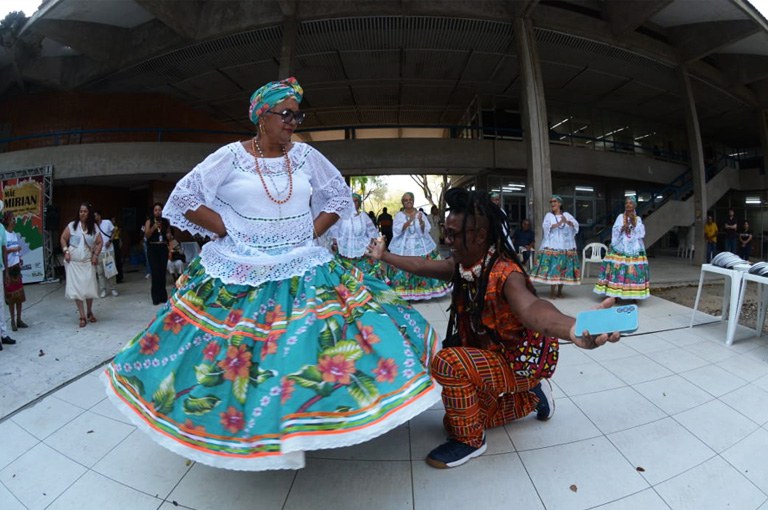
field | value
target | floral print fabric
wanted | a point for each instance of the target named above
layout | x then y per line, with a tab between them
249	378
412	287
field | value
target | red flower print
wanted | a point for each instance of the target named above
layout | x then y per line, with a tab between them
234	317
286	389
343	292
174	322
237	363
211	351
336	369
386	370
149	343
366	338
270	345
190	427
275	315
233	420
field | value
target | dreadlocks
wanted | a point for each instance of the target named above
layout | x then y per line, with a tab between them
476	205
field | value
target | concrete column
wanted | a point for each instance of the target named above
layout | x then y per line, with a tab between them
288	51
534	121
696	151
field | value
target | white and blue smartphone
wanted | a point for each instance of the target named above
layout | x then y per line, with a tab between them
607	320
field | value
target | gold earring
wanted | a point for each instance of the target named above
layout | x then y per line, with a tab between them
261	128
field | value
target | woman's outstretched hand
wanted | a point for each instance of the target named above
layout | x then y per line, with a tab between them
587	341
376	249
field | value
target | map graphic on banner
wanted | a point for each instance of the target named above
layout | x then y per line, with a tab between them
24	197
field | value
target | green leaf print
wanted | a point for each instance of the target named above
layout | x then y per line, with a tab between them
135	384
348	348
202	405
363	388
350	282
311	378
295	281
257	376
326	338
208	375
389	297
165	396
240	388
205	290
193	298
225	298
236	340
343	409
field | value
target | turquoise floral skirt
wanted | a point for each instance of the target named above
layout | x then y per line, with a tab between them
250	378
624	276
556	267
411	287
367	265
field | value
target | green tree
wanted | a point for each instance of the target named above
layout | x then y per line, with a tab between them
372	189
434	188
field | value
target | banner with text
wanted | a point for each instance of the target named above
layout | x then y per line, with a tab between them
24	197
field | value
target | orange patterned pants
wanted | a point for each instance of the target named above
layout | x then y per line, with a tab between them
480	391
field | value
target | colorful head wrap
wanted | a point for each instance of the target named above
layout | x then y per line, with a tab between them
494	194
356	196
633	198
272	93
558	198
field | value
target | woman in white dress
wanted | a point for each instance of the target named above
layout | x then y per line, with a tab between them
350	238
435	225
81	243
557	261
410	236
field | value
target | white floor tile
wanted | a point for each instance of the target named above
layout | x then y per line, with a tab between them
683	337
394	445
745	367
96	491
207	488
39	476
89	437
719	426
636	369
15	441
108	409
129	463
568	424
8	501
570	355
673	394
610	351
46	417
663	449
762	382
748	456
714	380
713	485
749	400
325	483
427	433
714	352
85	392
647	343
643	500
677	359
585	378
760	353
554	470
486	482
619	409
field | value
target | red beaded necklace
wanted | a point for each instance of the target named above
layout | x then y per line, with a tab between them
257	149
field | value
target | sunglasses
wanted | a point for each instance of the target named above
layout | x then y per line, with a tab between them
289	116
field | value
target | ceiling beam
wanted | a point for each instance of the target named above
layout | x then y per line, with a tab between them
626	16
697	40
184	21
742	68
100	42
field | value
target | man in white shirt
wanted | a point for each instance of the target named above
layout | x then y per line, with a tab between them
106	228
4	338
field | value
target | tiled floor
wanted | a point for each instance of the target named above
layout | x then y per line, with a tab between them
667	418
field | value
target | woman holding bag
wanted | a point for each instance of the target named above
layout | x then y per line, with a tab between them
81	244
14	287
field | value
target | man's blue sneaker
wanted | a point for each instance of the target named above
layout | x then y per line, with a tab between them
453	453
546	406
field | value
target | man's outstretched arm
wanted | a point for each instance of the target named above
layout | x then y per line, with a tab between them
441	269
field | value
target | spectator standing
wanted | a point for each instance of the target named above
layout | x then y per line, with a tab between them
156	233
116	244
81	244
710	234
106	229
731	232
524	240
13	285
385	224
745	241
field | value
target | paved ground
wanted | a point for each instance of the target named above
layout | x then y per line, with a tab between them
668	418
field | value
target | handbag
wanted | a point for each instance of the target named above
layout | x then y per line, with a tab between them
108	261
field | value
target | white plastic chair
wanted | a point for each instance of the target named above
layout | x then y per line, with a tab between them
597	252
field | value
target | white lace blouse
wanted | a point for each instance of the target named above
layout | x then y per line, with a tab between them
628	244
413	241
353	235
562	237
265	241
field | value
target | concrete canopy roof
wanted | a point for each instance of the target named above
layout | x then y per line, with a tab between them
405	62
